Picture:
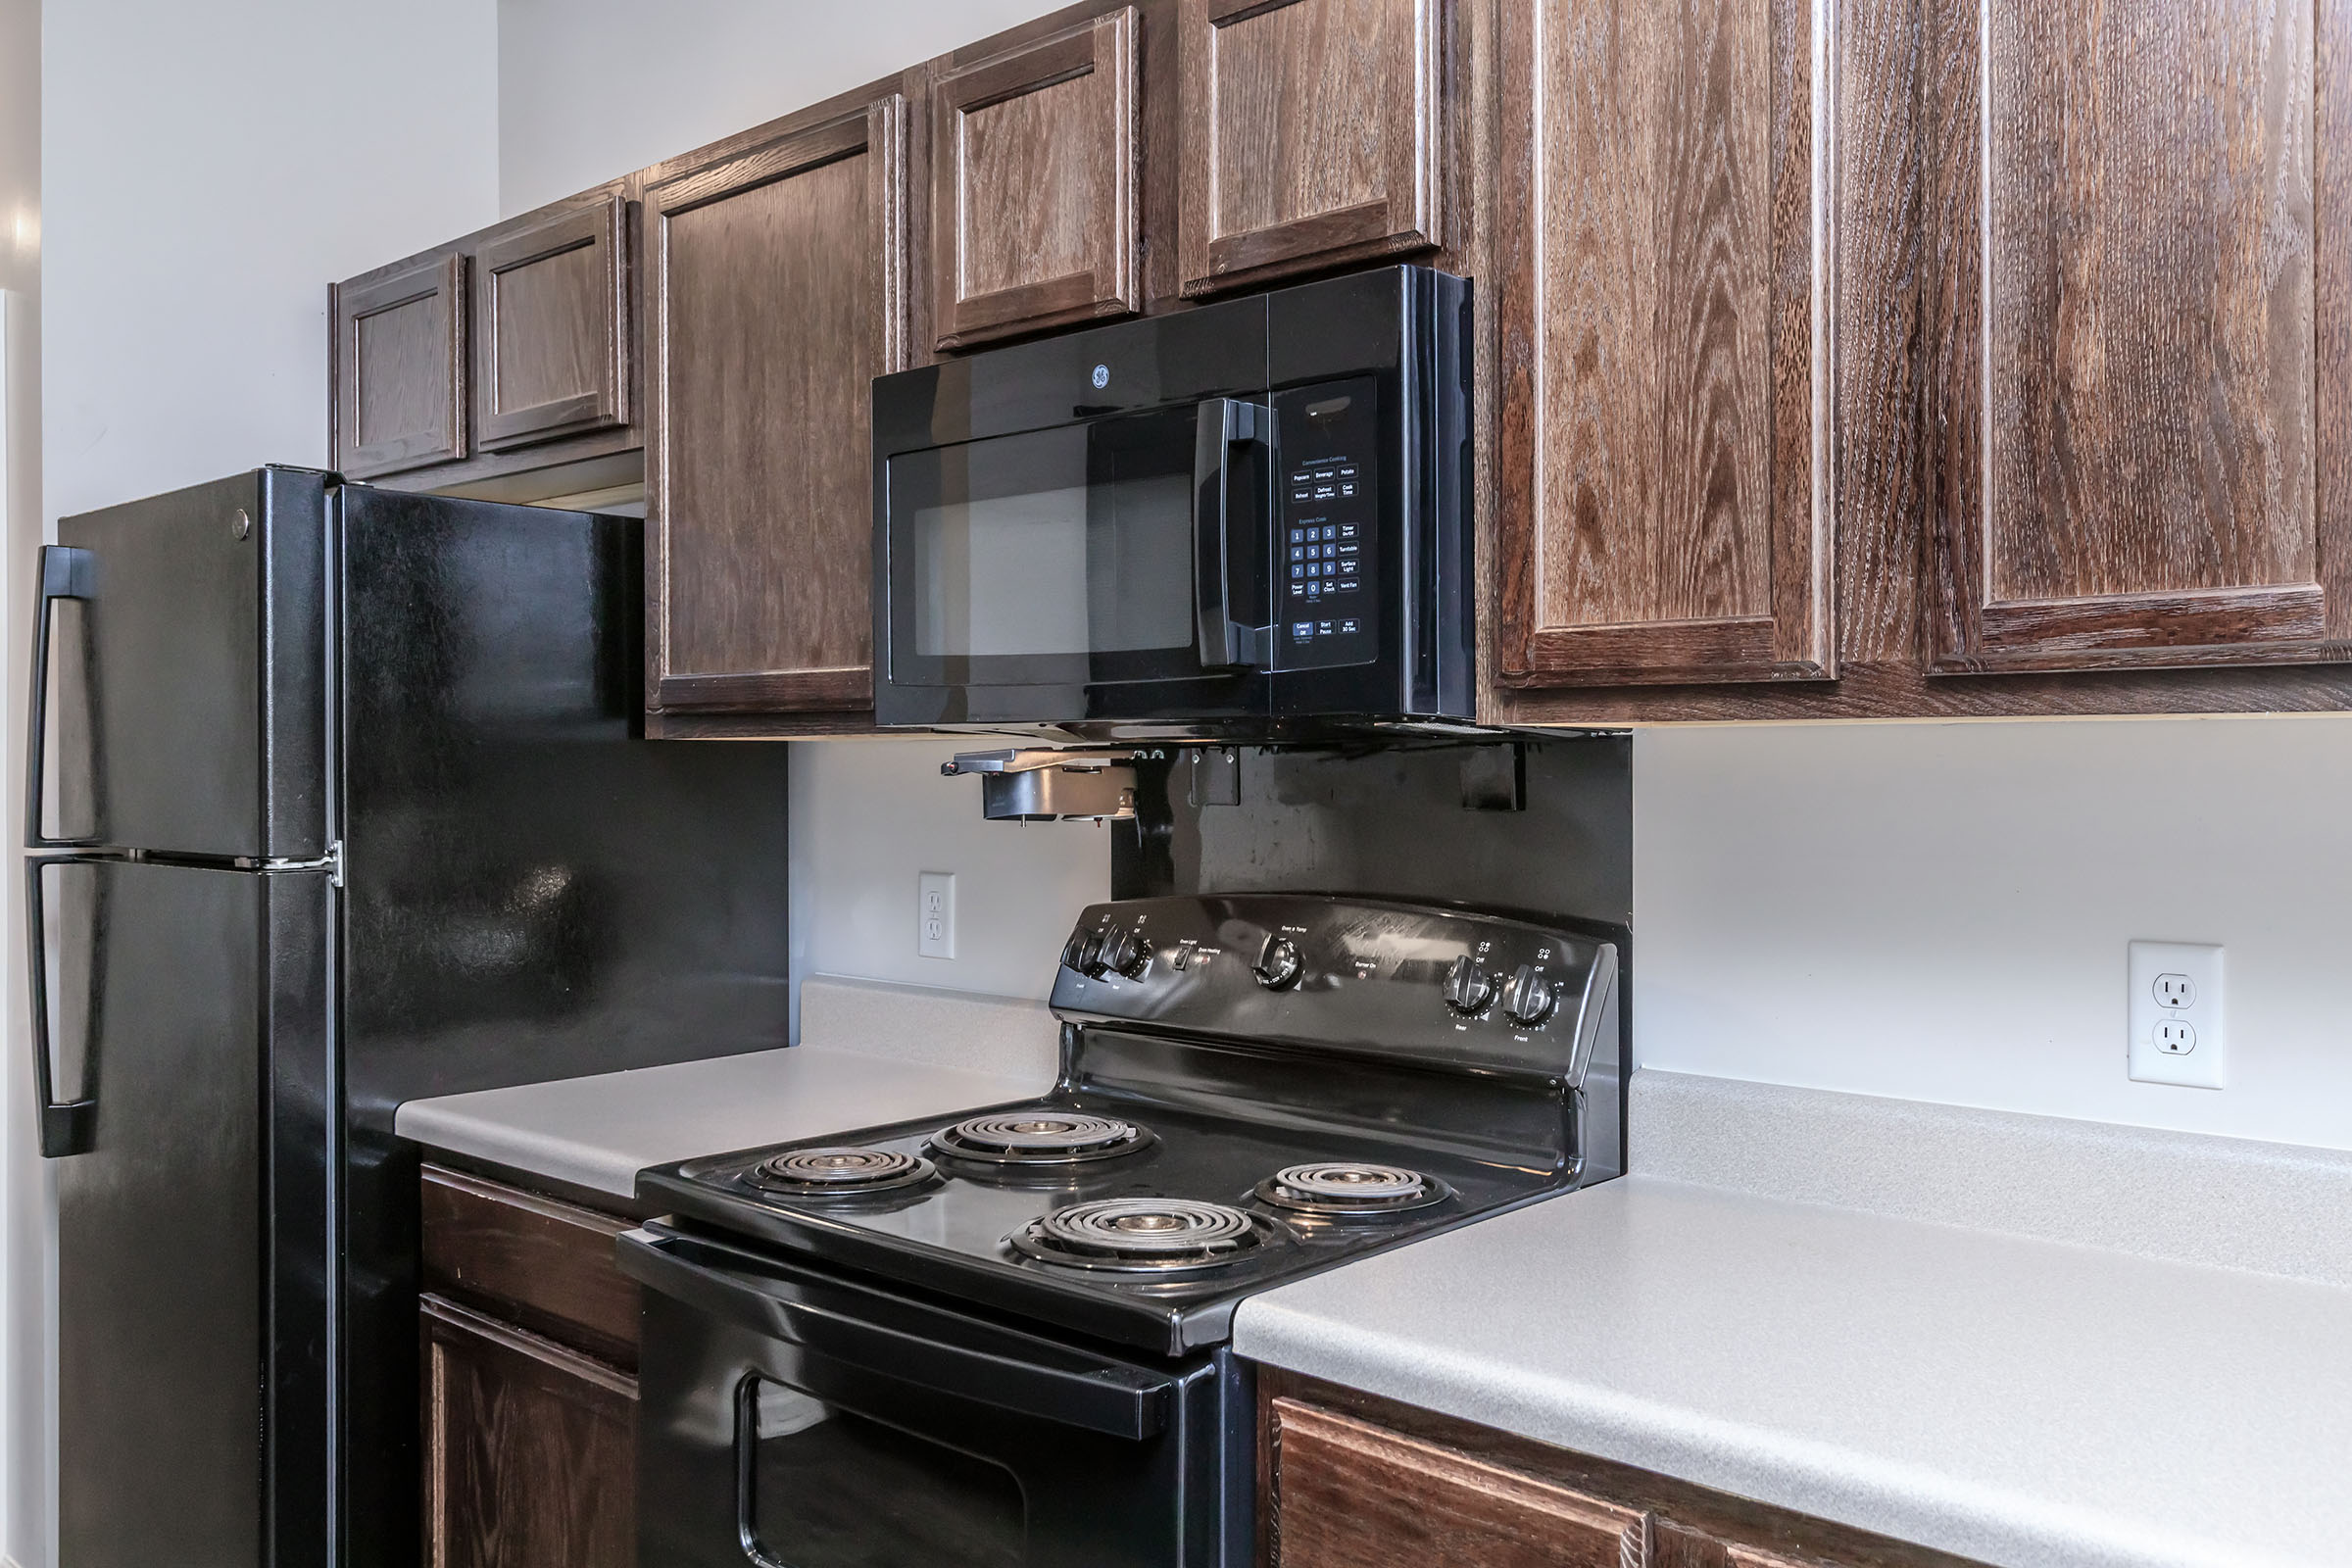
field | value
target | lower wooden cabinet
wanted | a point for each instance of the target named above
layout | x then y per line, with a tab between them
1352	1480
529	1341
530	1450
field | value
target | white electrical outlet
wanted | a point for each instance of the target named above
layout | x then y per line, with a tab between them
935	915
2177	1031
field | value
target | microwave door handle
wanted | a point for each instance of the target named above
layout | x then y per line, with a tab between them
1223	423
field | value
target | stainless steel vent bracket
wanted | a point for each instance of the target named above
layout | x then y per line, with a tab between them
1035	784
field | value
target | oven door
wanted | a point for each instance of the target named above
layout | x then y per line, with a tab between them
794	1419
1116	567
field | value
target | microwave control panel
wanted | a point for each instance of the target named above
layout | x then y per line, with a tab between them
1327	525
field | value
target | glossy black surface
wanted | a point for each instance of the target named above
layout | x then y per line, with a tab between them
446	693
1362	1060
203	652
534	892
165	1325
1367	372
791	1416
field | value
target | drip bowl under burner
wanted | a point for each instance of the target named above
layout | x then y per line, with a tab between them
1349	1188
1039	1138
838	1172
1143	1235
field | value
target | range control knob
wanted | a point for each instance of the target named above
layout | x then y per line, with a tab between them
1533	997
1468	988
1277	968
1079	951
1124	952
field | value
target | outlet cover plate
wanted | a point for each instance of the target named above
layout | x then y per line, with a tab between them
2177	986
935	914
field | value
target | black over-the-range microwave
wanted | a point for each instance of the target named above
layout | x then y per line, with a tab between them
1247	518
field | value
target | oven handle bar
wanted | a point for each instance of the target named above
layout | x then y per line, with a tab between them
1094	1392
1222	424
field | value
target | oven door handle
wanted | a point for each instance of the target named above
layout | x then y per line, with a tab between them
1076	1389
1223	423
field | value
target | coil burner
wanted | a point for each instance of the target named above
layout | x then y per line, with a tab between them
1143	1235
839	1172
1039	1138
1347	1189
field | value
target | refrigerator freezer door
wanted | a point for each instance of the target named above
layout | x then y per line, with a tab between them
190	1345
191	697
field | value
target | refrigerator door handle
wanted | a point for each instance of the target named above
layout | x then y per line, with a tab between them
66	574
70	1127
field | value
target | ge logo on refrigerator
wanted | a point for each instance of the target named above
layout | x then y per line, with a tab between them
1101	376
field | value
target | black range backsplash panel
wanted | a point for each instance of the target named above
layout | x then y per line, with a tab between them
1548	832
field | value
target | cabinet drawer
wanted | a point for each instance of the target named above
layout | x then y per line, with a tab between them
1348	1494
543	1264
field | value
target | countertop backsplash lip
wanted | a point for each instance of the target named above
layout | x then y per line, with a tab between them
2189	1197
930	1025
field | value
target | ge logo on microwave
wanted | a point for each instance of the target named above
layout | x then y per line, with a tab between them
1101	376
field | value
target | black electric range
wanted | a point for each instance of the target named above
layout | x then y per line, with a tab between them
1253	1088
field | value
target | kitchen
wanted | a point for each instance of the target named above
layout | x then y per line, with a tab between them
1907	1249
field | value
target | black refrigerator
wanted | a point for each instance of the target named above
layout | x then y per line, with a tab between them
346	803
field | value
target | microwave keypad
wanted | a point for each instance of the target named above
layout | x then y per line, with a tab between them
1329	511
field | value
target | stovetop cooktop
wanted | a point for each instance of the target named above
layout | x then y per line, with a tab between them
1215	1133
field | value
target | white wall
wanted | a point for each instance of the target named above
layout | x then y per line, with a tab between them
199	174
207	171
591	89
868	817
1941	911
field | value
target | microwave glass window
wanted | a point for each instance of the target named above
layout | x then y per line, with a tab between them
1069	542
832	1488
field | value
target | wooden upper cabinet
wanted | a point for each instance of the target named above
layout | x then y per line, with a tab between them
400	366
1313	134
551	325
1660	256
2137	377
1034	209
1350	1495
774	295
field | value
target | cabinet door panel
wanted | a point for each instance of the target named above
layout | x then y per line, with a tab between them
775	298
400	368
2130	338
1313	134
1033	201
1661	254
1350	1495
551	327
531	1450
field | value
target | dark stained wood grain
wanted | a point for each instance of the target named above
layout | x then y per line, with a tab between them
1676	1525
775	293
1314	133
1351	1494
2124	364
543	1264
530	1450
551	325
399	338
1660	241
1035	214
